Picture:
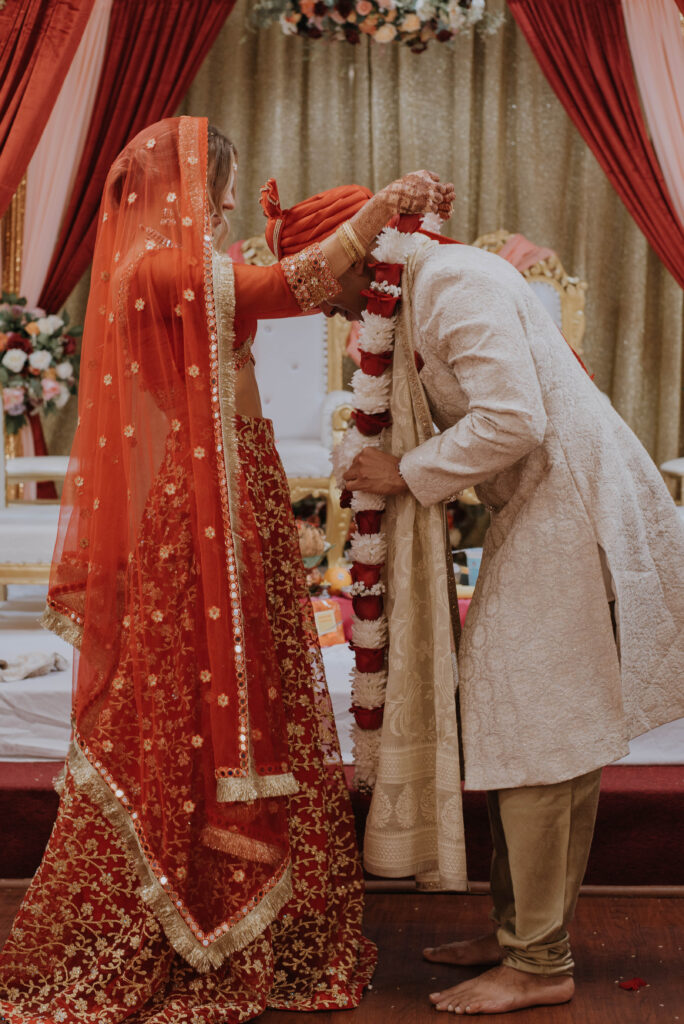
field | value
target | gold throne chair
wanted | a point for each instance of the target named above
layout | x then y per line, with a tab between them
299	371
561	295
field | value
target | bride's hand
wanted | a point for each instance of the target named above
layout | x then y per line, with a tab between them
421	192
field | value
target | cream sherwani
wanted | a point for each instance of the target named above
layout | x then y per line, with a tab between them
545	692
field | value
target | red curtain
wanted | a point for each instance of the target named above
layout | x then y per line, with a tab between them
154	50
38	40
582	48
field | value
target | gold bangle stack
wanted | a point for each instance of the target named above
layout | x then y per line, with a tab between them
349	241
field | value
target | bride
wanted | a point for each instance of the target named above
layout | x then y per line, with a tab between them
203	865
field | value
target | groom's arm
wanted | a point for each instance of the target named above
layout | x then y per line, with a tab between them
472	322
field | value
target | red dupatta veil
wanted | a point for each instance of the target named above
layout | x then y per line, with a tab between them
157	577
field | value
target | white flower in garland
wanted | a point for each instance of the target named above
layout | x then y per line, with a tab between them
368	548
364	501
371	394
371	633
368	688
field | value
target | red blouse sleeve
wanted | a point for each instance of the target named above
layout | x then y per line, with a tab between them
262	293
295	285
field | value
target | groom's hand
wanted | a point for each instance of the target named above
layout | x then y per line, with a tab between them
376	472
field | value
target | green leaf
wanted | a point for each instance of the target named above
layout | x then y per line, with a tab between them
13	424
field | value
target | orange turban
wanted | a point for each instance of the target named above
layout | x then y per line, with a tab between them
312	220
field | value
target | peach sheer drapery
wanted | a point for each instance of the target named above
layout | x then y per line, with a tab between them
53	166
656	43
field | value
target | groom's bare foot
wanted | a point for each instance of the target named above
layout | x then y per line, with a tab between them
503	989
485	949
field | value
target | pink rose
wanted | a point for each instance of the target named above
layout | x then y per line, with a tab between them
51	389
364	7
13	400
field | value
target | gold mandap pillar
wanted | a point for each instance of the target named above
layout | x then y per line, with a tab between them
13	240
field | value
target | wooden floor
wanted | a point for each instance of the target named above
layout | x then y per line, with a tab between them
613	938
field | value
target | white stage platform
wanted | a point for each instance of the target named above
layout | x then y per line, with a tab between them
34	713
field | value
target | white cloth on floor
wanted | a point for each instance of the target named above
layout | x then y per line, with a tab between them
35	663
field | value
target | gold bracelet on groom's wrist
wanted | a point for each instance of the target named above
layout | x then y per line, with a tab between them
349	241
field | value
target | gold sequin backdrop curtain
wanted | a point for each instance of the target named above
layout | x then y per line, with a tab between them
481	113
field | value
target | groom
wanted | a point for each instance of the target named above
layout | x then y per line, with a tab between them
574	640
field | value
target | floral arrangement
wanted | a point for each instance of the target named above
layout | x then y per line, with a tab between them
39	361
413	22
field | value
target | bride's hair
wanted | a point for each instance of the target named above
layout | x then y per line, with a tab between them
222	157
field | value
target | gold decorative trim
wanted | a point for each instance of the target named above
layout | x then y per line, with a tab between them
255	787
24	572
337	335
256	253
13	240
202	958
240	845
62	626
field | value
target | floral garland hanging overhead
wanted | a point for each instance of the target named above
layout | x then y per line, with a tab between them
413	22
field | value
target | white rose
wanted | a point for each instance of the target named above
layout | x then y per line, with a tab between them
426	10
49	324
456	16
40	360
14	360
64	370
288	27
476	11
63	396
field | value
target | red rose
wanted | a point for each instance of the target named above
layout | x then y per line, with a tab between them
370	424
375	363
368	521
313	32
15	340
369	659
368	607
444	35
366	574
367	718
390	273
69	346
345	499
383	305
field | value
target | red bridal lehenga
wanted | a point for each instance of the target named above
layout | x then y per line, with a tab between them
203	864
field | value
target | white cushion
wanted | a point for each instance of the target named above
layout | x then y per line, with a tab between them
28	533
673	466
37	467
304	458
550	300
291	368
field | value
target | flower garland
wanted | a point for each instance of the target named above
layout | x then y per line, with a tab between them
412	22
372	385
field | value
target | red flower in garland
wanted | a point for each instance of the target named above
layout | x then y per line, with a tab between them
375	363
371	424
368	607
368	521
382	305
369	659
369	575
368	718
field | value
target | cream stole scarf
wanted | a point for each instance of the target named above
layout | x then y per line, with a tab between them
415	823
